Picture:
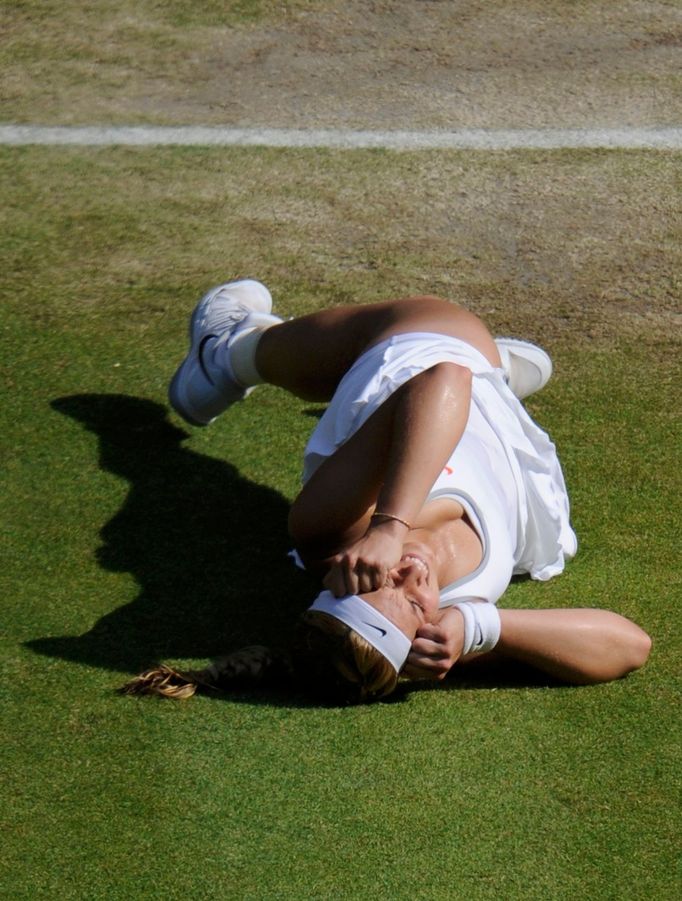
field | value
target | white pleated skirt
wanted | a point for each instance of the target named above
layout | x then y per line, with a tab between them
544	537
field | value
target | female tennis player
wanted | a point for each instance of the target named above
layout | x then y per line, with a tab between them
426	487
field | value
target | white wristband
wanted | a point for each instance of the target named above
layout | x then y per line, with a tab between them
481	626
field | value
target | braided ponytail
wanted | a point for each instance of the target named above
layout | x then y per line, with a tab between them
249	667
329	661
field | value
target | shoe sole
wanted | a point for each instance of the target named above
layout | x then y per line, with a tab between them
176	397
177	402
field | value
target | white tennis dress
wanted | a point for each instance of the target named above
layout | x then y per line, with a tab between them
504	470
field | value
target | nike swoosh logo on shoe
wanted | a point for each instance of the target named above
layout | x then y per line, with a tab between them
200	354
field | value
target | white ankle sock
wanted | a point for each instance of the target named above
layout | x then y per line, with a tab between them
242	355
237	356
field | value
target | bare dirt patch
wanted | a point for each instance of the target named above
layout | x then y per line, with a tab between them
358	63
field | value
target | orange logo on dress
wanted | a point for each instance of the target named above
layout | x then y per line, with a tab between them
448	470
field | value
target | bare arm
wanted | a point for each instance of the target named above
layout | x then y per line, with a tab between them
580	646
391	463
427	423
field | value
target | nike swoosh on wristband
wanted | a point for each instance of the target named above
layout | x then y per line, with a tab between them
378	628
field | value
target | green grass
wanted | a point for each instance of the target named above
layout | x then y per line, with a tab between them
126	540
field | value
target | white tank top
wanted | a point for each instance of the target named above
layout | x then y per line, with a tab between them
478	475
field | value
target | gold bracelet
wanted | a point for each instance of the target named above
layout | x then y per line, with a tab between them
391	516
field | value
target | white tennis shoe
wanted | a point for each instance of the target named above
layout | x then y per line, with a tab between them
200	390
527	367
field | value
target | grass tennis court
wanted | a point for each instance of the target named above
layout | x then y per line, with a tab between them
127	540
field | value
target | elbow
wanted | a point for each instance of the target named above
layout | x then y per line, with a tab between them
637	650
454	373
454	380
631	647
622	649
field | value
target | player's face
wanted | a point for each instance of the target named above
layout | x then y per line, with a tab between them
410	597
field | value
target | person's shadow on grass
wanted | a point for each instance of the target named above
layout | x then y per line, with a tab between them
207	547
208	550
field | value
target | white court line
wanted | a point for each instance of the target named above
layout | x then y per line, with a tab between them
658	138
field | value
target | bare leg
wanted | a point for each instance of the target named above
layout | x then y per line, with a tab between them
310	355
235	343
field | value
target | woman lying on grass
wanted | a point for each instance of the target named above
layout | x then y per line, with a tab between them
426	487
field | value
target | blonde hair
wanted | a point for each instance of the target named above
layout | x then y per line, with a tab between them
333	661
328	661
